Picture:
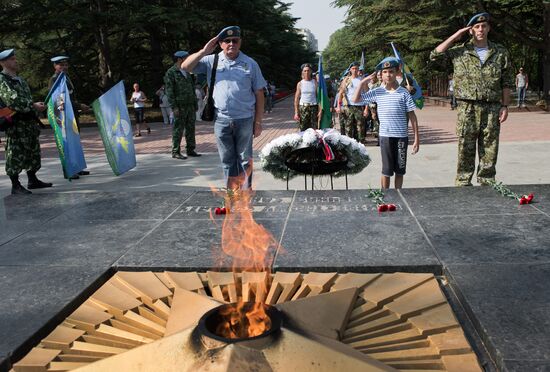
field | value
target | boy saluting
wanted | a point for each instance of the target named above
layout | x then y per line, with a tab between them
395	109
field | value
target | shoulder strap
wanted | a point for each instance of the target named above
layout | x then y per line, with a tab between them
213	75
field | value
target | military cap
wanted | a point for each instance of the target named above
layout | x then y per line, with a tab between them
478	18
353	64
181	54
59	59
230	31
5	54
361	68
387	62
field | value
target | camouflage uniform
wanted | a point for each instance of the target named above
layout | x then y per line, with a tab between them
72	95
478	90
308	116
181	96
351	117
22	144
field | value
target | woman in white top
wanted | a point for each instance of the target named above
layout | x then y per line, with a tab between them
306	108
164	105
139	98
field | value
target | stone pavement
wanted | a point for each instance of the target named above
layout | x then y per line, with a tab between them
525	139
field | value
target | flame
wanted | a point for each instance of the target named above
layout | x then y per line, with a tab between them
252	249
243	320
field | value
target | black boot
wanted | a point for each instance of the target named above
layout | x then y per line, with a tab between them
17	188
35	183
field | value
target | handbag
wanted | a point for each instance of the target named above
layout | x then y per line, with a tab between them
209	109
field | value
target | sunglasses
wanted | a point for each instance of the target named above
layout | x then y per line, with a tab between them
229	41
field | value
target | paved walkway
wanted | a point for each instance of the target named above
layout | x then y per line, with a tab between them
525	139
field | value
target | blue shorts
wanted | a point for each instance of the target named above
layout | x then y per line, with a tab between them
394	155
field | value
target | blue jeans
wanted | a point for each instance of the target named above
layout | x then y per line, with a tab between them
521	95
234	140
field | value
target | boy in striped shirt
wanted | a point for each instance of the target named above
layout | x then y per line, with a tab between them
395	110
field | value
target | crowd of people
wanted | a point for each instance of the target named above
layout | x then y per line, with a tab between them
380	102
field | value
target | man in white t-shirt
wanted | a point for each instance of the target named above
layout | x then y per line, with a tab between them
351	113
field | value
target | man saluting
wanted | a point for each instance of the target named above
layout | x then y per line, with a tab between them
482	81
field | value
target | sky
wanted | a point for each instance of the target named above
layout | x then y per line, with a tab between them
319	17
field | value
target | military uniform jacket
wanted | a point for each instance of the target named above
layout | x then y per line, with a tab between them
70	87
15	93
475	81
179	89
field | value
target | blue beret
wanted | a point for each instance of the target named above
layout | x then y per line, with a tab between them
5	54
181	54
387	62
230	31
58	59
353	64
478	18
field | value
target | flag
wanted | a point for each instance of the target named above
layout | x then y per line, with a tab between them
407	74
115	128
63	122
362	66
322	98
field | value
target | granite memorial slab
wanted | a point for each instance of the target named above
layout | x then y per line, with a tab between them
188	245
490	238
36	297
511	305
65	241
342	203
542	195
265	204
41	207
345	242
461	201
130	206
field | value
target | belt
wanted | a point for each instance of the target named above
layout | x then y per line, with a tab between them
308	104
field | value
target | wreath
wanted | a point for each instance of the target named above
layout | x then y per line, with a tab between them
327	147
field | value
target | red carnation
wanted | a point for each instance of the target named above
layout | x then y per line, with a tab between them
392	207
382	208
530	198
218	210
523	200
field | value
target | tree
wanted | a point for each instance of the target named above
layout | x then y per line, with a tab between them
134	40
418	26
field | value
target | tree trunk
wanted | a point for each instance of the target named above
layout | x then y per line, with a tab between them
546	55
157	69
104	56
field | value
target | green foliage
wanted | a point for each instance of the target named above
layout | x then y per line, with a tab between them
416	27
134	40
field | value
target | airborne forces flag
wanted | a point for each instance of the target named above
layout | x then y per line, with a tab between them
63	122
116	131
325	121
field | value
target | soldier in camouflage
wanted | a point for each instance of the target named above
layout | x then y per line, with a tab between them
351	113
179	86
483	80
22	144
61	64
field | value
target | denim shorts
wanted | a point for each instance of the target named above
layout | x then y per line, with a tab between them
394	155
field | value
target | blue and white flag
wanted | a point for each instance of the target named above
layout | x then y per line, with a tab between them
63	122
116	129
